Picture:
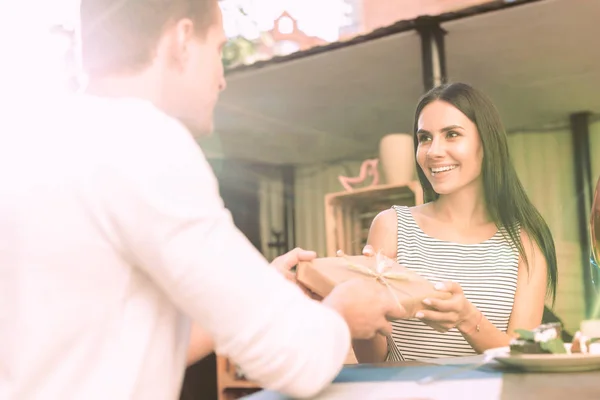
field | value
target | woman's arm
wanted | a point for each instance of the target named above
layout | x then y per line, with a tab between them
528	307
481	334
531	288
382	237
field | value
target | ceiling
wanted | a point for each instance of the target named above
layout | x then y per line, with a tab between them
537	61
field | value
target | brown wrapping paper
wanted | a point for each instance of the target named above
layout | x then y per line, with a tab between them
409	288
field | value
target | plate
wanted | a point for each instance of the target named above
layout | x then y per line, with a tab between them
546	362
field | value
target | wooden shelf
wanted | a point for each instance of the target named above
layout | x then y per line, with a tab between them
229	386
369	193
348	215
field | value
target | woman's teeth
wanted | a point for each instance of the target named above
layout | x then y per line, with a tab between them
442	169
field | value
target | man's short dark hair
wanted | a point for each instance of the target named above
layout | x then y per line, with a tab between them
121	35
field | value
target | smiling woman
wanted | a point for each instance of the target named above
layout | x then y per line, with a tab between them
477	236
449	151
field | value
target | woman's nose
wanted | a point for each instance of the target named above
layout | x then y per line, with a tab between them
436	148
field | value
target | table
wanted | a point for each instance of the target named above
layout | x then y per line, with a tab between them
398	381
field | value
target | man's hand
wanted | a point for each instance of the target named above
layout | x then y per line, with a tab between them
366	305
289	260
201	343
284	263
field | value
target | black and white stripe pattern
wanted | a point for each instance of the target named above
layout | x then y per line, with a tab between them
486	271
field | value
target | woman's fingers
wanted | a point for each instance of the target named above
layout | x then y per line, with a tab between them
368	251
449	286
441	305
436	316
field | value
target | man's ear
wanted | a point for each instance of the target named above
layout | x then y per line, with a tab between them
176	42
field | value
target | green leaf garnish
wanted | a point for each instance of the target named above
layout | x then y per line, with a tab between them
525	335
554	346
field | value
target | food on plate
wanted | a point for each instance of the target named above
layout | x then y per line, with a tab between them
521	346
583	344
545	339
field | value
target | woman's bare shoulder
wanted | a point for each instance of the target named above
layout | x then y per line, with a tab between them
421	209
388	219
385	219
383	232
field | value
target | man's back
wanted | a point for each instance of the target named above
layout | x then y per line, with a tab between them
112	232
75	315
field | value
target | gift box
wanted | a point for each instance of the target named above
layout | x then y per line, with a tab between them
407	288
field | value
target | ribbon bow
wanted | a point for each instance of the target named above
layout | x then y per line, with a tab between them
381	273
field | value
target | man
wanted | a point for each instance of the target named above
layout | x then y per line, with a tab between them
113	236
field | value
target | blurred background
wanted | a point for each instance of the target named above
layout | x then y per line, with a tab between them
316	87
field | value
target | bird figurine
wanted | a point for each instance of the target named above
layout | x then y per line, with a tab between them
367	169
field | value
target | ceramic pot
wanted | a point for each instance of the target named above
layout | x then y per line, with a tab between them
397	158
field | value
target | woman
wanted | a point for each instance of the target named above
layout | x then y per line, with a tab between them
477	236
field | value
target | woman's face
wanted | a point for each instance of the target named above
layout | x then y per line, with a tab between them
449	149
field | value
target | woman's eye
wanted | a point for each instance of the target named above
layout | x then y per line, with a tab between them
452	134
424	138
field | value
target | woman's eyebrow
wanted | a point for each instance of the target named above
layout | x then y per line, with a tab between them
446	129
451	127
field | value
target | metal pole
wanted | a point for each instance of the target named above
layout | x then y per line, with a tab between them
433	54
580	134
289	206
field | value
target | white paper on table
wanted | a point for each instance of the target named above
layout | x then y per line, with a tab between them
464	389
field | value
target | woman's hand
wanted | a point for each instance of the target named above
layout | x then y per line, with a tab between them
443	315
368	251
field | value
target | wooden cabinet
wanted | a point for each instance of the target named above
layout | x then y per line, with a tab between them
348	215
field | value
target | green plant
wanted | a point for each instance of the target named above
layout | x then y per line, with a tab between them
237	50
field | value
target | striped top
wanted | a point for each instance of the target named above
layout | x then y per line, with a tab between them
486	271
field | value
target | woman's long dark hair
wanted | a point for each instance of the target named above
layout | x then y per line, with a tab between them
505	198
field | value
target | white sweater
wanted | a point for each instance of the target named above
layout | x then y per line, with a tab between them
113	237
